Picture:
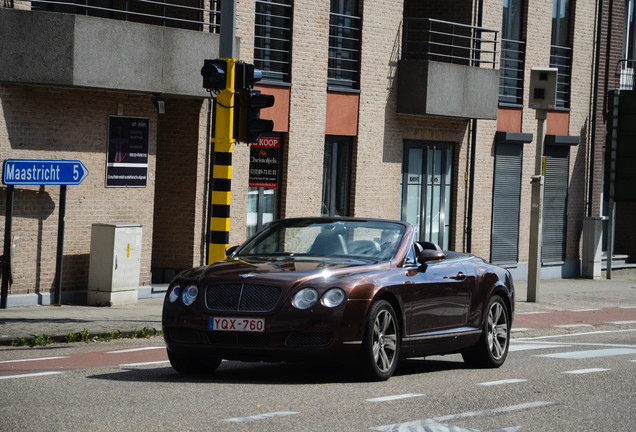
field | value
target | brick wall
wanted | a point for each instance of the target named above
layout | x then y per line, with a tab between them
57	123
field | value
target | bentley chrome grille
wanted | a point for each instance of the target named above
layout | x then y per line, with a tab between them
242	297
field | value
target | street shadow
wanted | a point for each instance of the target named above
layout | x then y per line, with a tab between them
235	372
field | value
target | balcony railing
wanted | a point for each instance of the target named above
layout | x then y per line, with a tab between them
512	57
169	13
627	74
449	42
344	51
561	58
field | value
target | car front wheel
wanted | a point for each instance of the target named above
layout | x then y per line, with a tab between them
381	345
492	348
188	364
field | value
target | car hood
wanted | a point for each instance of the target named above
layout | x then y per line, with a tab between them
284	270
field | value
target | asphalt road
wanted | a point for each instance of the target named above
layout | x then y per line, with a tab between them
576	378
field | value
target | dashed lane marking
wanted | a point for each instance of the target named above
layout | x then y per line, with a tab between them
30	375
33	359
590	353
622	322
150	363
573	325
533	346
586	371
395	397
260	416
502	382
136	349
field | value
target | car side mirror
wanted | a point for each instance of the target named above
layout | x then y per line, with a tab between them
230	251
428	255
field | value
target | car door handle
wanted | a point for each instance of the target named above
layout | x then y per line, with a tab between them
460	276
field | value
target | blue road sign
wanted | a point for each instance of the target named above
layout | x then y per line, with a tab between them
43	172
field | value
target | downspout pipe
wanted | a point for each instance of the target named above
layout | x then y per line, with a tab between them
597	67
473	149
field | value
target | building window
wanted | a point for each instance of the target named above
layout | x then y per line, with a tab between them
272	39
336	180
506	203
513	52
555	203
344	44
561	50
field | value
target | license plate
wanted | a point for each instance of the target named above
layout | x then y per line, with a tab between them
237	324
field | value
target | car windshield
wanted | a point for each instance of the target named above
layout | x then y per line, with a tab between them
377	240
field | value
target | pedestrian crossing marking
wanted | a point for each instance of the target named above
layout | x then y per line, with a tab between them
590	353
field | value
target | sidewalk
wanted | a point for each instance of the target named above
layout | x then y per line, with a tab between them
58	321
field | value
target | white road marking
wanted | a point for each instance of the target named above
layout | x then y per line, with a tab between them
420	425
534	313
501	382
574	334
521	329
136	349
586	371
573	325
395	397
590	353
144	363
33	359
622	322
260	416
533	346
30	375
584	310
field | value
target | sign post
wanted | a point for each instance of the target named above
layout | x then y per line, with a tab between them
40	172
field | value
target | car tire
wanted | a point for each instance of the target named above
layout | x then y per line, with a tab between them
188	364
381	344
492	348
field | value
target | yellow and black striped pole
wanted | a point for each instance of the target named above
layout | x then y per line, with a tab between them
222	170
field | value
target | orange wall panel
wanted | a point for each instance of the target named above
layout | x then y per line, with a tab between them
558	123
509	119
280	111
342	114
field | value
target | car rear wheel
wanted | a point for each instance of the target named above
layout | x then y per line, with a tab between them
188	364
492	349
381	344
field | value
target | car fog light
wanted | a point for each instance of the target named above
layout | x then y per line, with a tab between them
305	298
333	297
174	294
190	295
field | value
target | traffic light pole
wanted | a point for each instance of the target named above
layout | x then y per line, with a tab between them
222	170
218	240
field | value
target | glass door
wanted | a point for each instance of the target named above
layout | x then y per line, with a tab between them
426	190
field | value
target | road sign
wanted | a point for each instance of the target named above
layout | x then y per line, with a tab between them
43	172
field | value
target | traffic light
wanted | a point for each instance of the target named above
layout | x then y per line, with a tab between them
248	124
214	74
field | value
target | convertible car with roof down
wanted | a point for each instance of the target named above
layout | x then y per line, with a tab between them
344	289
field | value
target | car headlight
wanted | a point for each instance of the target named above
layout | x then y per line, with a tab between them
174	294
190	295
305	298
333	297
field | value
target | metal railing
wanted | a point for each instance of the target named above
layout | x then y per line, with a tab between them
272	39
344	51
449	42
169	13
561	58
627	73
512	62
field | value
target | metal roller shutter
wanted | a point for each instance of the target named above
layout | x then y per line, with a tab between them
555	203
506	203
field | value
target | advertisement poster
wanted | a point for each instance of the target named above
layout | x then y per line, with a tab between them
127	155
264	162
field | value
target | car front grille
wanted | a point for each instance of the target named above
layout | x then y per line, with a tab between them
308	339
242	297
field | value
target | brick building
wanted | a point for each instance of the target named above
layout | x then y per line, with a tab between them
405	110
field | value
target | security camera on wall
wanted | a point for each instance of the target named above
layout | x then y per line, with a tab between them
543	86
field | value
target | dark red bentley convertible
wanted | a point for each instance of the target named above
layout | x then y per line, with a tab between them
362	290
